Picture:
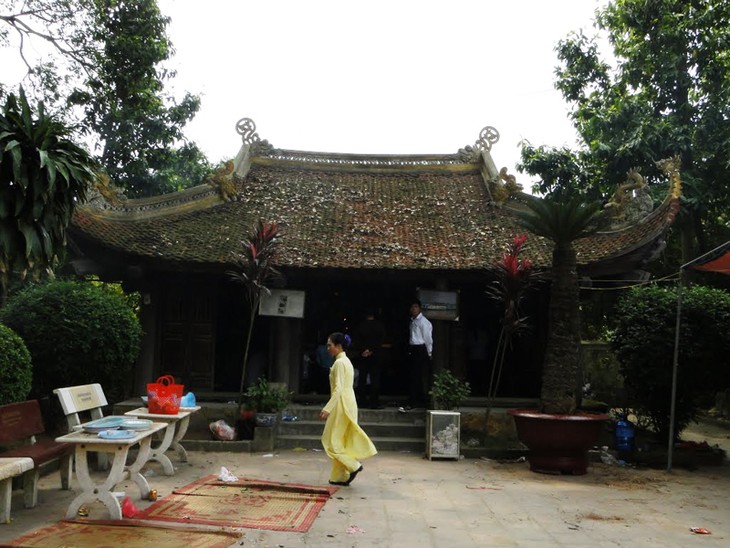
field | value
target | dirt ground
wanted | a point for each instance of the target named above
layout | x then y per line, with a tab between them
402	499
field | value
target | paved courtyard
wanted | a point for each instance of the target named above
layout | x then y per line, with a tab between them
403	500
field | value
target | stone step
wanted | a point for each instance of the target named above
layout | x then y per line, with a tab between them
377	429
409	445
387	436
389	429
389	415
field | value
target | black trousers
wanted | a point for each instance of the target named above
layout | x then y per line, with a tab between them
418	368
369	367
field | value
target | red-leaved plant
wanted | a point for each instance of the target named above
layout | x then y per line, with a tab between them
512	276
255	268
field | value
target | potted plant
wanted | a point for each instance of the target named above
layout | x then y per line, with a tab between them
511	276
268	400
448	391
444	424
559	437
255	269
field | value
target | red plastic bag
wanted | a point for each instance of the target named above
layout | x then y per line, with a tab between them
163	396
129	509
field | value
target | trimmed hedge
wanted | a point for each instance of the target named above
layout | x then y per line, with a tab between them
16	369
77	333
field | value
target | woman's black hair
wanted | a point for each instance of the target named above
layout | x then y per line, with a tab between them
339	338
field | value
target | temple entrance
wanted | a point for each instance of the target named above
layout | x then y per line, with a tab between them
466	346
341	307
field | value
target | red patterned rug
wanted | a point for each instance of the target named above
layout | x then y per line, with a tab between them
250	503
112	534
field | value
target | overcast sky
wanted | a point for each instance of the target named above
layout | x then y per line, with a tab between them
393	77
382	76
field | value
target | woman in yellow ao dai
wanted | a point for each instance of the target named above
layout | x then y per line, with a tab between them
343	439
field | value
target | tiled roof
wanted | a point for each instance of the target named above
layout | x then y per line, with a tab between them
344	218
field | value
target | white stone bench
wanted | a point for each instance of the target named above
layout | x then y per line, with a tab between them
81	404
9	468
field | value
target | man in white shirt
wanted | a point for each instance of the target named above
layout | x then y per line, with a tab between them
420	348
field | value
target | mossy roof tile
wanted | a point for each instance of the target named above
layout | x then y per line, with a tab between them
344	219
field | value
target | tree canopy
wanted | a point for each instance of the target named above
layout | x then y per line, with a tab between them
665	93
105	68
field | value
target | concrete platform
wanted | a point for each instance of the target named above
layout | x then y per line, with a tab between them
402	500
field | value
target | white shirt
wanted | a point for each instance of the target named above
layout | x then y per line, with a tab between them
422	332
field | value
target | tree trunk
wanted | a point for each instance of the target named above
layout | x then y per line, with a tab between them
562	355
241	391
3	292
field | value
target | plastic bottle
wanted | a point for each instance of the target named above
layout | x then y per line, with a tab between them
624	435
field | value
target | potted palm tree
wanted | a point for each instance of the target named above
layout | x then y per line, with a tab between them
559	437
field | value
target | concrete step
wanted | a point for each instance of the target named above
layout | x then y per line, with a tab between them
388	415
409	445
373	429
389	429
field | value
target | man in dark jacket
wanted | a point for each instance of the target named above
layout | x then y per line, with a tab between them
367	340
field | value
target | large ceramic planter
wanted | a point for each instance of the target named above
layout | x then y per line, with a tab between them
558	444
266	420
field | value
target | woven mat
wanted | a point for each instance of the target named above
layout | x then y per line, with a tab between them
250	503
113	534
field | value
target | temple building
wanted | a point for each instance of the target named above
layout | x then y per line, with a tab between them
358	233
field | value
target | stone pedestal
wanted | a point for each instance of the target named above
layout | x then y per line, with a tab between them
264	438
443	434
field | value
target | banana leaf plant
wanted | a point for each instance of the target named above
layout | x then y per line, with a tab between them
43	175
255	269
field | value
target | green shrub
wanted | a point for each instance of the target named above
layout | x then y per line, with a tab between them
77	333
267	397
602	381
448	391
16	370
644	346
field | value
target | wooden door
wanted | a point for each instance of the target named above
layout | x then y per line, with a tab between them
187	345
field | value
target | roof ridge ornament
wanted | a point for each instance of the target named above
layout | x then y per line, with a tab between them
671	167
487	137
246	128
103	194
631	201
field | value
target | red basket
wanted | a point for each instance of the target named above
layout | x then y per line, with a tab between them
163	396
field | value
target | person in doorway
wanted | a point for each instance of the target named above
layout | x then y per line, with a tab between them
343	439
324	364
369	337
420	348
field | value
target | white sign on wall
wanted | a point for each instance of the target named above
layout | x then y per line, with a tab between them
439	305
288	303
